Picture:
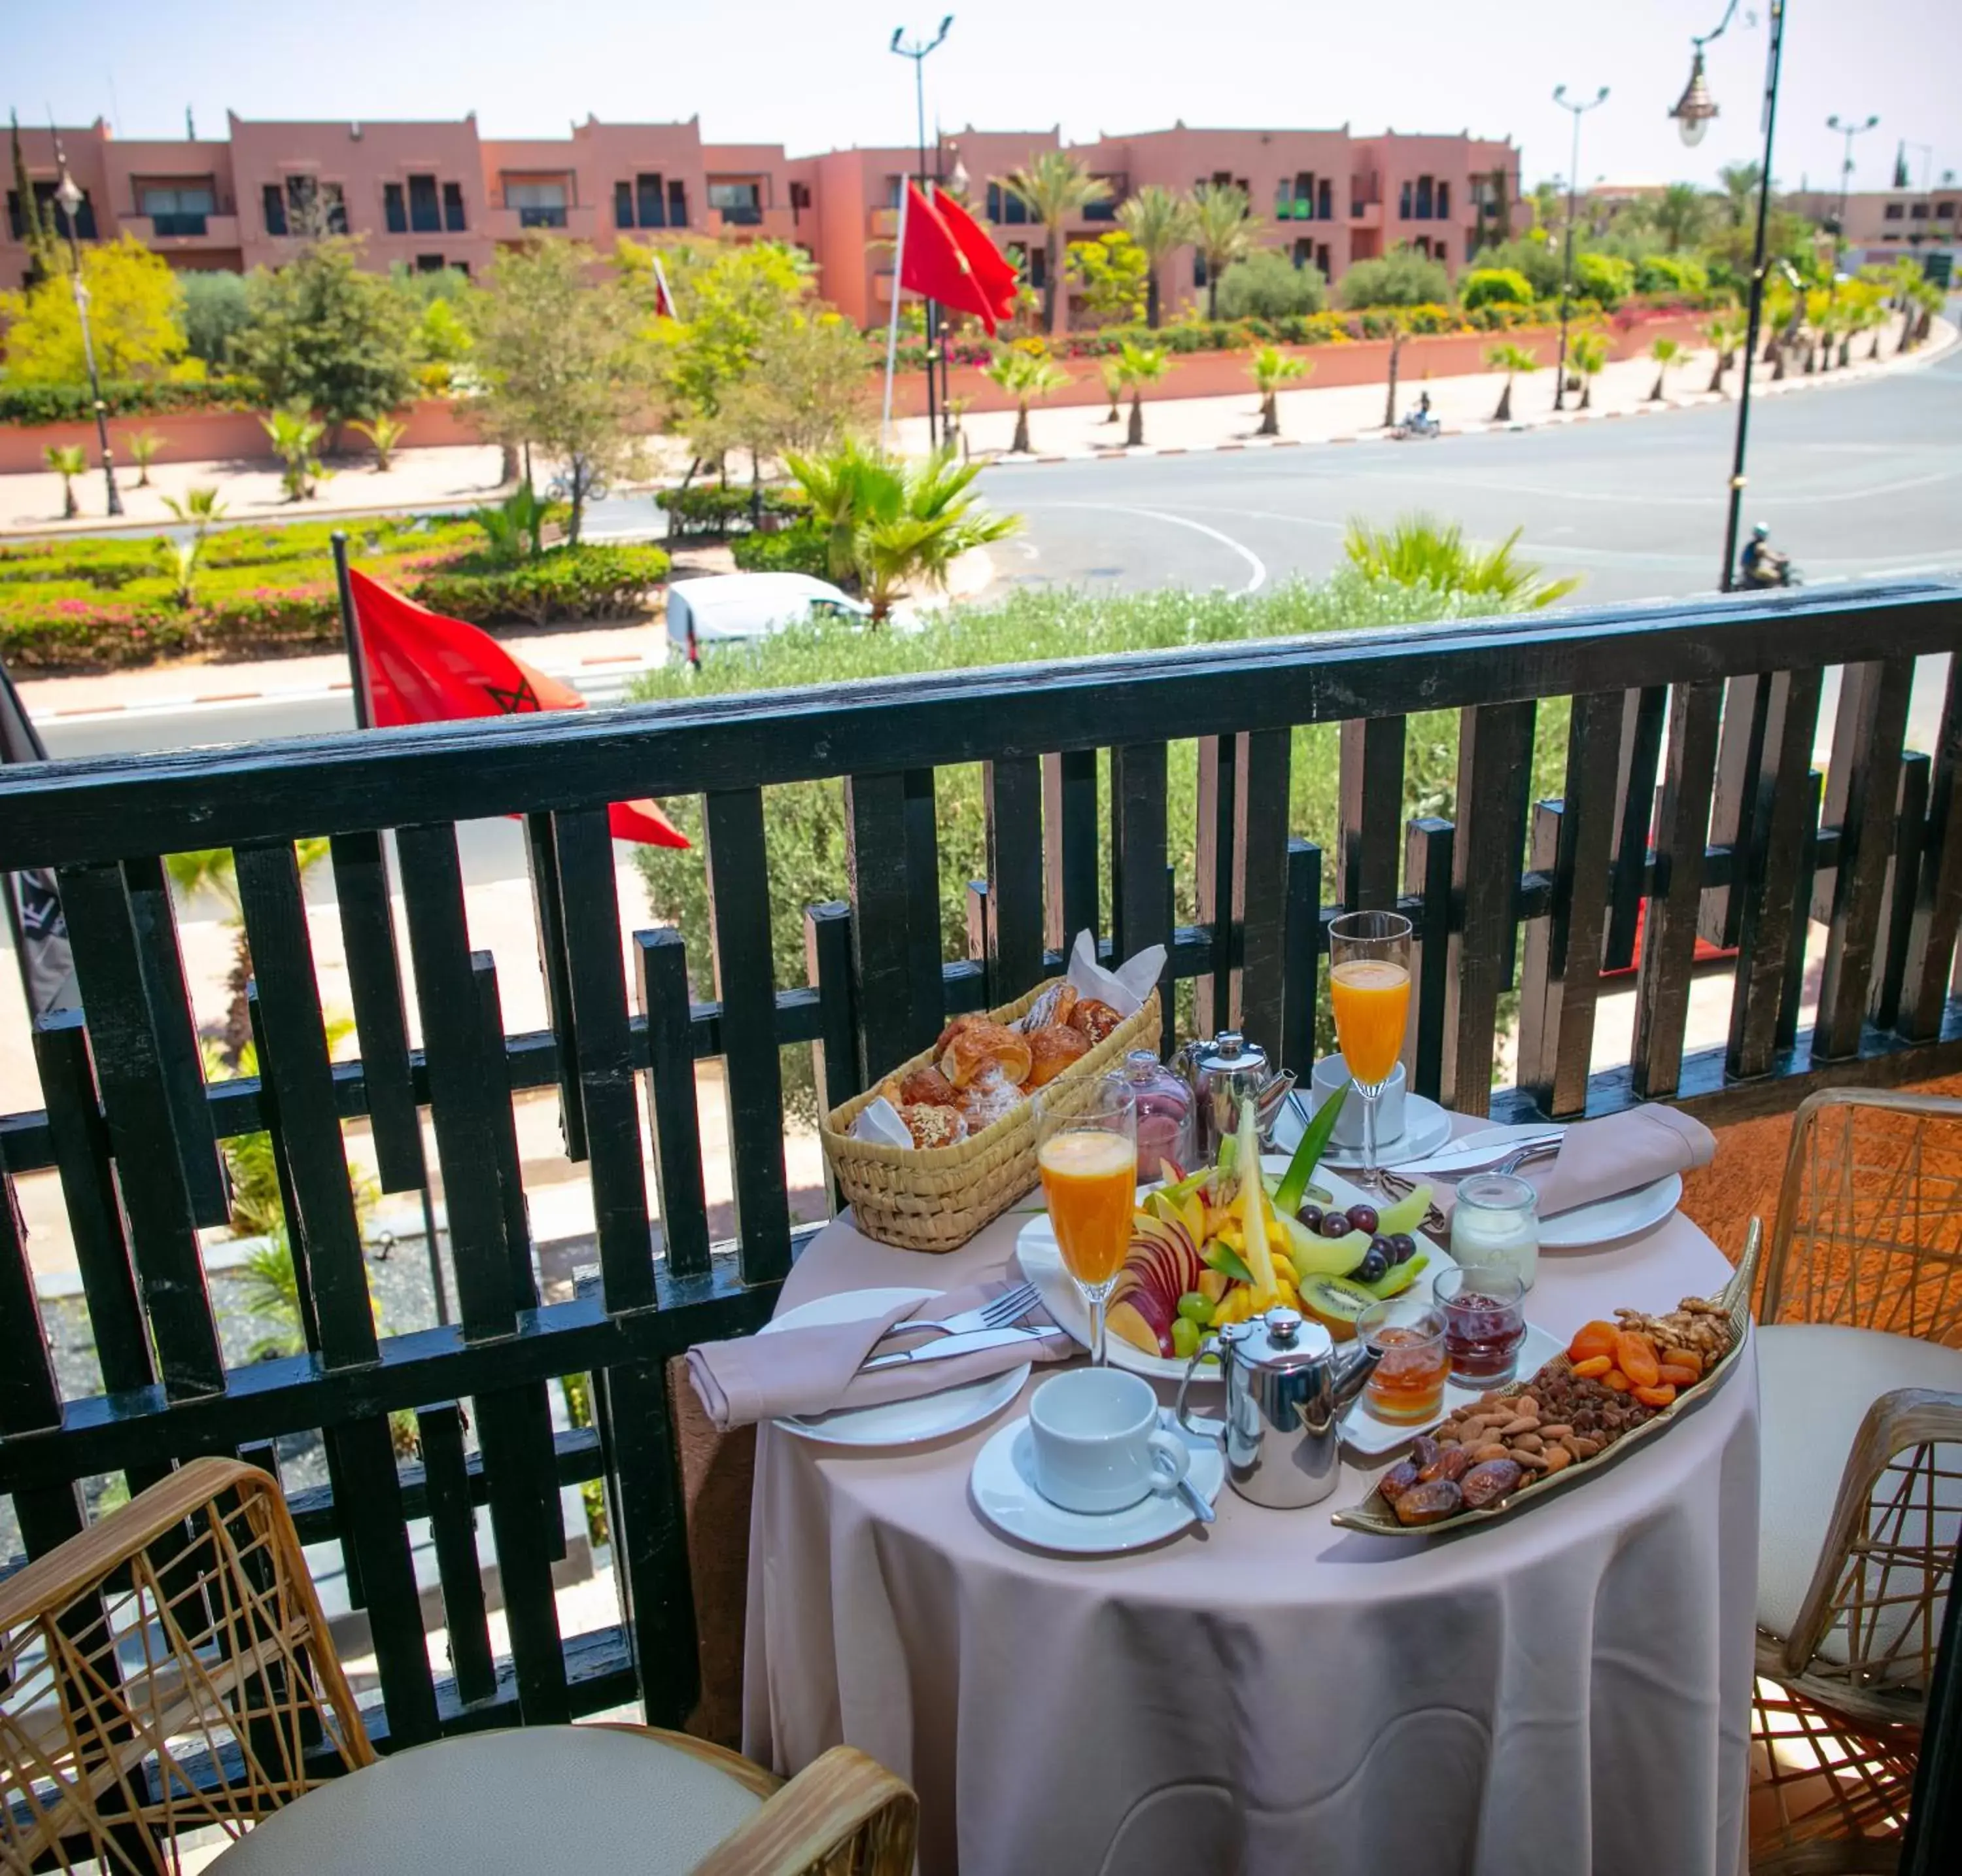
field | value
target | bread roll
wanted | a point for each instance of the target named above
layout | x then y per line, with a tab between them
927	1086
983	1046
989	1097
954	1028
932	1126
1094	1017
1052	1050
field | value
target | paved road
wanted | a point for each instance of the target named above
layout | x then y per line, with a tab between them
1859	480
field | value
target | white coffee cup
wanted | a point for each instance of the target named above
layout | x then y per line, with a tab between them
1332	1072
1098	1444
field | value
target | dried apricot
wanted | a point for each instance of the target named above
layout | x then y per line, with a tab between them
1678	1376
1595	1364
1618	1381
1595	1338
1658	1396
1635	1356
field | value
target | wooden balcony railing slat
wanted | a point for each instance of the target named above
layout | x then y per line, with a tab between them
1301	939
1774	831
503	1168
1139	914
1938	907
1427	867
1221	785
1643	714
381	1023
739	918
521	1468
927	979
1011	793
1260	885
671	1101
596	987
1900	892
876	867
30	1396
1864	782
549	900
1371	788
1071	821
1740	758
453	1517
129	1066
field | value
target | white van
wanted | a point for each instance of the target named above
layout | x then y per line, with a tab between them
731	609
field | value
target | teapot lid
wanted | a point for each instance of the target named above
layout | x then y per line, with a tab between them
1229	1053
1282	1339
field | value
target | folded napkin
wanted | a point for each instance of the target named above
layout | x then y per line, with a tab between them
1619	1152
815	1370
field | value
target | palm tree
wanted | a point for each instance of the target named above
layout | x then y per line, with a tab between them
1222	230
1724	330
1160	223
143	445
68	460
1053	186
384	433
1024	375
1112	371
199	508
1271	369
1587	355
294	432
1665	352
1417	550
1679	214
1740	183
833	483
1138	366
1512	359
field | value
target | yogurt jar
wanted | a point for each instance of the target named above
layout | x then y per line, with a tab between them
1496	1223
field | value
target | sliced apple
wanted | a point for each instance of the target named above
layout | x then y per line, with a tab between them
1163	1263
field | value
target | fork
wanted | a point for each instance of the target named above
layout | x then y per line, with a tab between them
997	1314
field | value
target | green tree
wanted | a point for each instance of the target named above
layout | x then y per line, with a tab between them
1512	359
1111	370
37	235
806	387
1739	183
217	307
563	366
294	433
1538	259
1495	286
1268	285
1586	357
1138	366
1403	277
1724	331
326	335
384	433
1160	223
180	559
136	318
1416	550
141	446
1111	275
1680	214
1222	230
1272	368
1607	279
68	461
1053	186
1024	376
1665	352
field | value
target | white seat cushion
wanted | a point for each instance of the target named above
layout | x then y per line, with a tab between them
527	1802
1815	1382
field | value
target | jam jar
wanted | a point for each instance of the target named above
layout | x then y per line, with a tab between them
1164	1115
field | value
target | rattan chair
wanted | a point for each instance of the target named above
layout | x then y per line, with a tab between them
166	1675
1860	1368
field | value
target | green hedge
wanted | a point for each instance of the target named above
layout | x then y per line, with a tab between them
113	560
804	821
707	511
802	549
568	583
72	404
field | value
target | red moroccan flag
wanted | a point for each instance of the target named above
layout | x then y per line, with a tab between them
423	668
931	262
994	272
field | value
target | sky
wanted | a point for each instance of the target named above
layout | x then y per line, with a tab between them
815	74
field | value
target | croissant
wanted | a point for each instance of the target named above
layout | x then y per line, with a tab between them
954	1028
985	1045
1052	1050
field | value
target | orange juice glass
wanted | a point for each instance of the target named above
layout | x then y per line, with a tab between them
1089	1163
1369	983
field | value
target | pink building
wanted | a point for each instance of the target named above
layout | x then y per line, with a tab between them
433	195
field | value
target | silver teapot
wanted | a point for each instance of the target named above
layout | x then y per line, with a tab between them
1287	1386
1223	1072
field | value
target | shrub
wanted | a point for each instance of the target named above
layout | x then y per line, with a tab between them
570	583
1268	286
1607	279
1671	273
1492	286
709	511
1402	277
28	404
1539	261
799	549
214	308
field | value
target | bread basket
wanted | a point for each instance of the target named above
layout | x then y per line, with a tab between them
935	1199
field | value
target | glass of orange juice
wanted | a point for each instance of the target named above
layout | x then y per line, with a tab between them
1089	1163
1369	983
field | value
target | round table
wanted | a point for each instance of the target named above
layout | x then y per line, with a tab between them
1565	1692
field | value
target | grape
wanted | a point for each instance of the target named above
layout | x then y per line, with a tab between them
1334	1224
1362	1218
1195	1307
1403	1246
1185	1338
1375	1265
1310	1217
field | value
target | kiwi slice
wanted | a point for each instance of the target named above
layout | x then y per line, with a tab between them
1335	1302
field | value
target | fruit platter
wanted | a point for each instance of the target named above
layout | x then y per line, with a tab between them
1616	1385
1218	1246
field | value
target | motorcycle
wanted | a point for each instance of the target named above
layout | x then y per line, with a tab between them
1416	424
1766	579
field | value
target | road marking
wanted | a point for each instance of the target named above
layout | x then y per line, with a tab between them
1247	554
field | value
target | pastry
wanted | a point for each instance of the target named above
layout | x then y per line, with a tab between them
1052	1050
970	1020
932	1125
989	1097
1094	1017
1053	1006
982	1046
926	1086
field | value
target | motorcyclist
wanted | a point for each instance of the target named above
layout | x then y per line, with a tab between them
1763	565
1418	421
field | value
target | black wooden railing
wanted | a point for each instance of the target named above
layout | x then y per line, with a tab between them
1671	706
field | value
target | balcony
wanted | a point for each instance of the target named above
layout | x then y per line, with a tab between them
758	224
166	232
1365	215
579	220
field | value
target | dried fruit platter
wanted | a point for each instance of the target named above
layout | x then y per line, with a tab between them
1376	1513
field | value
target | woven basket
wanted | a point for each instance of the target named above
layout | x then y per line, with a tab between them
935	1199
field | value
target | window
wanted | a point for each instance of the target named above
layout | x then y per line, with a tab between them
800	199
623	205
52	212
1423	199
1404	204
677	205
1107	209
539	204
395	214
176	208
275	200
425	216
1198	268
1294	200
452	208
1322	255
1039	268
740	204
1304	252
650	201
1944	211
1324	200
1892	211
895	188
313	206
1006	208
429	263
1919	212
1444	202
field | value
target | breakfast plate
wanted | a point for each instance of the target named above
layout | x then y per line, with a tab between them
893	1423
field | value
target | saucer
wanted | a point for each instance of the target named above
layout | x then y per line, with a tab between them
1426	1126
1003	1484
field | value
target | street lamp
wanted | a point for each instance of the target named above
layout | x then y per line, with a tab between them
69	198
1849	130
1692	113
917	52
1567	265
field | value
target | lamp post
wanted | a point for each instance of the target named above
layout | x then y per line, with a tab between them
1566	264
917	52
69	197
1692	112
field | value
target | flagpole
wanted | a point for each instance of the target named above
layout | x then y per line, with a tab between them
892	324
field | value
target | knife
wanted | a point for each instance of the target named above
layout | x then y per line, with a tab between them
1452	1161
949	1346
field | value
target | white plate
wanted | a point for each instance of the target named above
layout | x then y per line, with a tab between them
1607	1220
1426	1126
1003	1483
897	1423
1042	1263
1364	1433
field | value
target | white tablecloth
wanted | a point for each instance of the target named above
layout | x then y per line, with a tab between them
1567	1692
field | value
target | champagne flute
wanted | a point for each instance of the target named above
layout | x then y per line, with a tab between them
1089	1163
1369	983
